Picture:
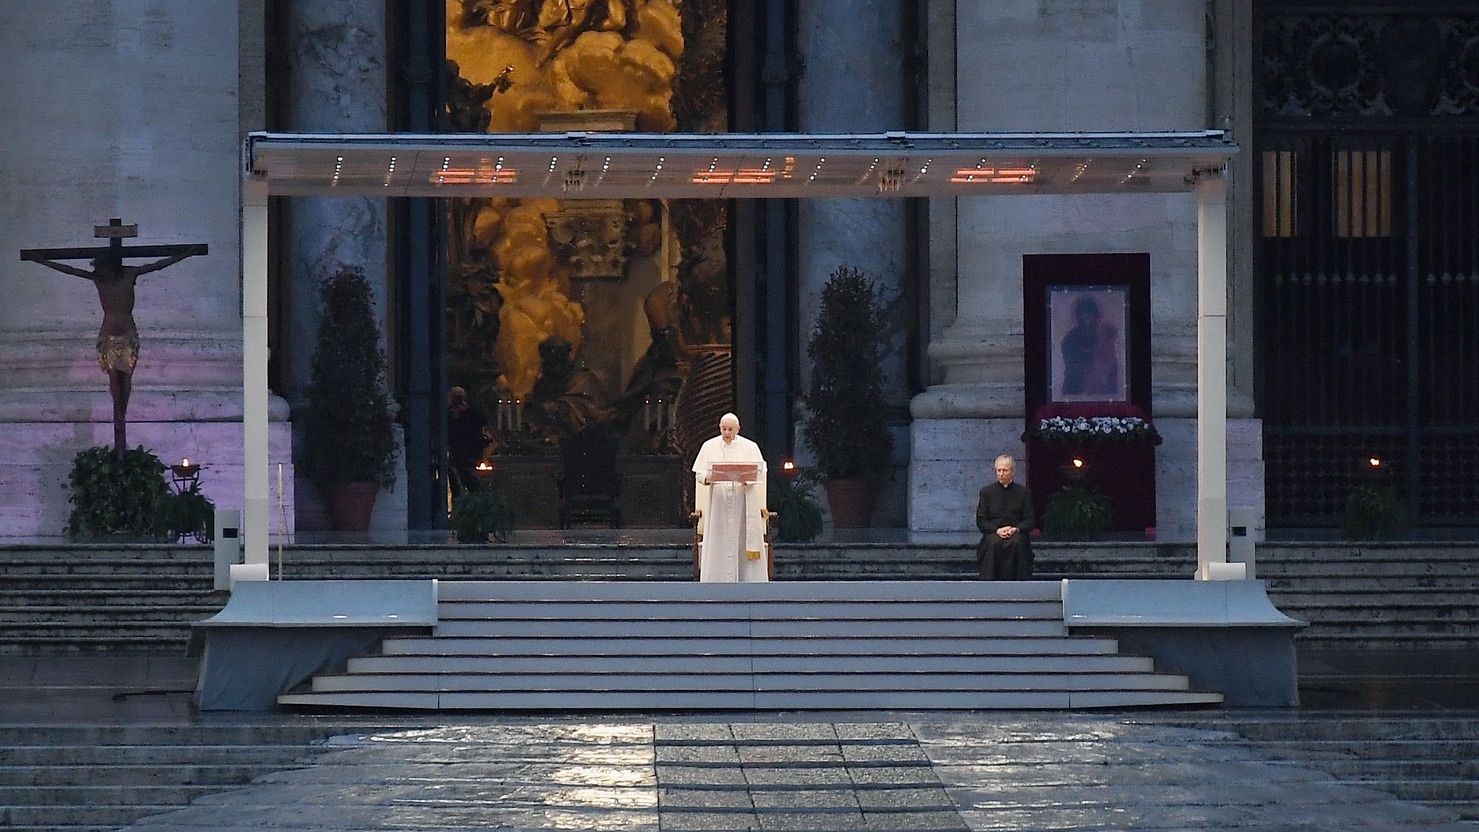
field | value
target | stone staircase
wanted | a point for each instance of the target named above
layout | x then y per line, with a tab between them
89	778
78	599
133	598
87	599
1376	596
1430	758
799	645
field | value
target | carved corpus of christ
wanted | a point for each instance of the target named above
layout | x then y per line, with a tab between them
114	278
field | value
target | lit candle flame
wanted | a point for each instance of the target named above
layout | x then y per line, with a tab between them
1078	463
1375	462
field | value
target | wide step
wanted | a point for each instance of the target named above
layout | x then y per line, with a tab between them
793	646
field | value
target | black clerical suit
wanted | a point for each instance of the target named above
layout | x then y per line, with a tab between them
1004	559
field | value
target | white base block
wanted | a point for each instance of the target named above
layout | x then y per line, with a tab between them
248	572
1223	572
33	473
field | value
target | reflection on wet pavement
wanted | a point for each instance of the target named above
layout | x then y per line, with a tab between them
977	771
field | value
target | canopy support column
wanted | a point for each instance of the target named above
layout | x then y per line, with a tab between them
1211	189
254	372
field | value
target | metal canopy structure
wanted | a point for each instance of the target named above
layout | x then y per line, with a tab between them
746	166
731	166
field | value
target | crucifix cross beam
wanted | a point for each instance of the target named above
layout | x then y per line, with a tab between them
118	337
115	232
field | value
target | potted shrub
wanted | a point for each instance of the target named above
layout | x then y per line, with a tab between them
798	512
348	450
1077	511
1374	510
482	516
845	424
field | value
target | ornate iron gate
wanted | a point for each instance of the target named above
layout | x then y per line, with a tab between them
1368	277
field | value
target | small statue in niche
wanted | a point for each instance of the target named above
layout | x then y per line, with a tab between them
644	410
567	398
466	102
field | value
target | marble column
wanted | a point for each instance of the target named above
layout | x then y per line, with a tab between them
1233	41
114	109
337	80
850	82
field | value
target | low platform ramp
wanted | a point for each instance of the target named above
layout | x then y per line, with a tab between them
650	646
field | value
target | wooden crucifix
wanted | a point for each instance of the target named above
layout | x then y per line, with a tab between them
118	338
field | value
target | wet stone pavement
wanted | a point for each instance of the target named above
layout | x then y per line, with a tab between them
977	771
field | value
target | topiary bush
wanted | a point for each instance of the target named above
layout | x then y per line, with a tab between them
348	436
845	424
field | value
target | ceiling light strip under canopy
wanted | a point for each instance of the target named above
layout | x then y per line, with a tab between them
732	165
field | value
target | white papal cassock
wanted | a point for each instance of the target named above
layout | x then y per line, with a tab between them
733	519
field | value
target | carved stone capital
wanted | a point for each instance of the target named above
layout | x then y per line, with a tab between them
590	237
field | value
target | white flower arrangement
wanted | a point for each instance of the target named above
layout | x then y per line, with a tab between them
1096	429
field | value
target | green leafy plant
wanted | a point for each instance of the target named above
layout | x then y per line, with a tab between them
113	497
348	435
1076	512
1374	512
798	509
183	514
482	516
845	424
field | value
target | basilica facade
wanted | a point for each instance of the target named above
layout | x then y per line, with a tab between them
1353	277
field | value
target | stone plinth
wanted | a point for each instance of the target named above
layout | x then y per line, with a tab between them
532	486
652	491
950	460
33	472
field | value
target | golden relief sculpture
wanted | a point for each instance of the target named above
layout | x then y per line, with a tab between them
524	272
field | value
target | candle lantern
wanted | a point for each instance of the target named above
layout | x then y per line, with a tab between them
185	476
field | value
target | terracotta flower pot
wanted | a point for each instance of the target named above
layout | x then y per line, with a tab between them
350	505
851	502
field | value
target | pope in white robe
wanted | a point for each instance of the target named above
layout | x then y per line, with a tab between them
732	514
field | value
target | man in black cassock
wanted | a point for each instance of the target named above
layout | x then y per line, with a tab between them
467	440
1004	516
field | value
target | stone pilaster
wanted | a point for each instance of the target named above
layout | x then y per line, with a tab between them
337	83
1022	67
120	110
850	53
